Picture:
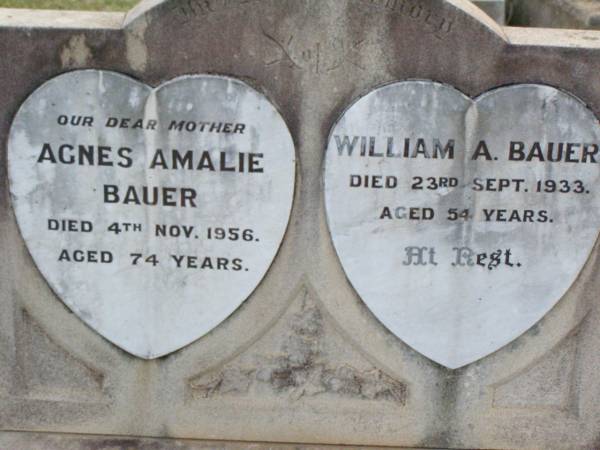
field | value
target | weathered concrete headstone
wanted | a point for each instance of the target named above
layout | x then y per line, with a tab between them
329	337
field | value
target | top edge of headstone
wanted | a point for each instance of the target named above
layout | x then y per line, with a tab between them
148	9
23	18
477	14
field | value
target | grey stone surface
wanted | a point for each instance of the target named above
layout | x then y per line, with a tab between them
303	359
38	441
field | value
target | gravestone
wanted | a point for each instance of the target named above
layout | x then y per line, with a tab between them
136	196
451	204
322	222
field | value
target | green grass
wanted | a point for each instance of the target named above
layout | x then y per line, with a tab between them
98	5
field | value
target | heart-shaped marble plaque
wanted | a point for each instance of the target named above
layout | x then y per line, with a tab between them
461	223
152	213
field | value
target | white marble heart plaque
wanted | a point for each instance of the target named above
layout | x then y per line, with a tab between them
461	223
152	213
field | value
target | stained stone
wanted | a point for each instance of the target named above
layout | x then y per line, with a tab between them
152	213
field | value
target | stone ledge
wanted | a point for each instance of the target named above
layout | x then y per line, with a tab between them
47	441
